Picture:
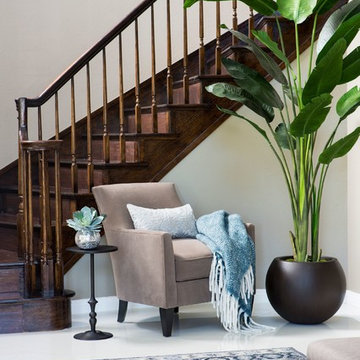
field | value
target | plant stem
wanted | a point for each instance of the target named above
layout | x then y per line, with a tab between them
312	44
299	88
285	166
303	213
286	66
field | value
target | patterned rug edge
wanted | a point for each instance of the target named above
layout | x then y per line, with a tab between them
284	353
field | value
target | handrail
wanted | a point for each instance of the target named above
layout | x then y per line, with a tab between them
88	55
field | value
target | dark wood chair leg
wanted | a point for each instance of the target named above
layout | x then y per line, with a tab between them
122	310
176	310
167	318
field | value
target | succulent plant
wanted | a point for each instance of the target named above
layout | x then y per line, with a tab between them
86	219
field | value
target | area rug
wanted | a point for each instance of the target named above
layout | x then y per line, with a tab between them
263	354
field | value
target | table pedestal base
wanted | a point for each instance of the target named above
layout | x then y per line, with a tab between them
93	335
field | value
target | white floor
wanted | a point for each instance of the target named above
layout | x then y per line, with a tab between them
196	330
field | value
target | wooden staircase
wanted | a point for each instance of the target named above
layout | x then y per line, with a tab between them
137	137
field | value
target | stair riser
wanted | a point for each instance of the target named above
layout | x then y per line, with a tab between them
9	203
35	315
163	123
12	204
194	94
11	283
82	181
131	148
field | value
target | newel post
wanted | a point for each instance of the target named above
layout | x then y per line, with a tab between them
22	135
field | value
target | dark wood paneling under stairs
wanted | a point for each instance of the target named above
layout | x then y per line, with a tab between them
181	125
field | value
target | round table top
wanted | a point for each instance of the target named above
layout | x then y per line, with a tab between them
98	250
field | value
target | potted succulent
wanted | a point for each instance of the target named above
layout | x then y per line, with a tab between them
305	287
87	224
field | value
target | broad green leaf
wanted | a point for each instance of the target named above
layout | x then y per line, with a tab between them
265	7
348	103
323	6
296	10
292	98
267	62
235	93
189	3
334	21
341	26
254	125
351	66
263	37
327	74
253	83
340	148
311	116
282	136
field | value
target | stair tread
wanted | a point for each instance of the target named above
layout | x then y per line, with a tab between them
65	192
7	219
164	136
102	164
164	107
9	258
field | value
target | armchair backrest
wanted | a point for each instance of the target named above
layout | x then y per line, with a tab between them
112	200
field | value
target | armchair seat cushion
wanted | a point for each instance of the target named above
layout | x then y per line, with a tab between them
192	259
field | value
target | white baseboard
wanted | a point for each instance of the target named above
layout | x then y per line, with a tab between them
352	298
110	303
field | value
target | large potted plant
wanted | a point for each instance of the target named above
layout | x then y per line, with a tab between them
305	287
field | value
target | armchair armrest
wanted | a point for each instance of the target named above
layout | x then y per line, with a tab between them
251	230
144	266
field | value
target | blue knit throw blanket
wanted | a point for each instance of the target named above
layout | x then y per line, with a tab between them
232	273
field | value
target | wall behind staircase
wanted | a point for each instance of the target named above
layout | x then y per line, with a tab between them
39	40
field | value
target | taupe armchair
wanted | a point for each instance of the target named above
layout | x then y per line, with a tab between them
150	267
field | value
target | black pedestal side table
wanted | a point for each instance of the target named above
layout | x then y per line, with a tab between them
93	334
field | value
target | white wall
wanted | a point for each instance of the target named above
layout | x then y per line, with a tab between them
353	199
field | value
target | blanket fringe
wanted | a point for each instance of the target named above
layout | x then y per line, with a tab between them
232	317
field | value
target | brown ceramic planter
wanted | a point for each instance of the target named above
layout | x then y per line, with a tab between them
305	292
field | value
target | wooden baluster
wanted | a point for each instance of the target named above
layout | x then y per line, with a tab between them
185	61
74	170
234	22
30	227
57	131
169	79
90	168
201	36
22	135
218	48
137	81
153	74
122	144
251	24
25	223
46	261
59	268
106	143
39	123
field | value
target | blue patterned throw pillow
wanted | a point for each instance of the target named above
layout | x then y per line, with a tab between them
179	221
